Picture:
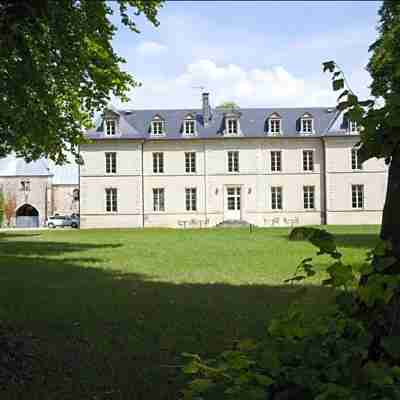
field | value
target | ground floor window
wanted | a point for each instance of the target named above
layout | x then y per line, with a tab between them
309	197
111	200
158	199
276	197
357	196
191	199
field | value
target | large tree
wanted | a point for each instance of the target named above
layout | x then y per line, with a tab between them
57	68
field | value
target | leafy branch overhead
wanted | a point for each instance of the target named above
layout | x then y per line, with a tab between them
57	68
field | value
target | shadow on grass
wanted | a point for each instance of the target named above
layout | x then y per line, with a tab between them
110	335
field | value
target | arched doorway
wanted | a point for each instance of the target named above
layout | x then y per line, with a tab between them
27	217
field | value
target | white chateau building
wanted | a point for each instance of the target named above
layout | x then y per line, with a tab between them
201	167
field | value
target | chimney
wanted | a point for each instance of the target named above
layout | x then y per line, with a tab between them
206	108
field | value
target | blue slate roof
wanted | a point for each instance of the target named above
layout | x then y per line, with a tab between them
135	124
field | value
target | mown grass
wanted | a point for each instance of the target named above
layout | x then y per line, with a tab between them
114	309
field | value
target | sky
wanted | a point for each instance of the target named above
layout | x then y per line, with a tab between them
257	54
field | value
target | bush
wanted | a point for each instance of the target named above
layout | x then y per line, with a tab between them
323	358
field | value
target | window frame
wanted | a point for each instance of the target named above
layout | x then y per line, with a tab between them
158	199
111	162
276	198
306	160
157	132
191	198
233	161
275	163
304	120
309	197
111	200
353	127
358	196
110	130
356	165
189	122
229	131
273	131
190	162
158	162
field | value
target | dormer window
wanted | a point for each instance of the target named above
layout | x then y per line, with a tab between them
307	124
189	126
275	124
353	127
111	127
232	126
157	126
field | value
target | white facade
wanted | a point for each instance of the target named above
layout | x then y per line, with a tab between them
222	195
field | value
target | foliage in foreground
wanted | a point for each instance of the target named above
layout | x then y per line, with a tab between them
334	356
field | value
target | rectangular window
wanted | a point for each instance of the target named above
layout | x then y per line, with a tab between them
158	199
189	128
111	200
158	163
233	161
191	199
353	128
355	160
190	162
357	196
308	160
111	125
275	126
26	186
111	163
307	125
276	197
276	161
309	197
232	126
157	128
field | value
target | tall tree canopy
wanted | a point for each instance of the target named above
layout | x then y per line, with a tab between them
380	124
57	67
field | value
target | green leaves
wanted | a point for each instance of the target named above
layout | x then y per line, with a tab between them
329	66
57	68
338	84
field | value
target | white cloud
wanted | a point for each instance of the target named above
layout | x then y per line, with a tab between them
252	87
150	48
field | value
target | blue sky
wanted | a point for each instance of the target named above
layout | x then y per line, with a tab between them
254	53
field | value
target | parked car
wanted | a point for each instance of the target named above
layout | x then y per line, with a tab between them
62	221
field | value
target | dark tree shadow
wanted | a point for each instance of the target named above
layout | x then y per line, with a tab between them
110	335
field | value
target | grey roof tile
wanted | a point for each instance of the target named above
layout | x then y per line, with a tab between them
135	124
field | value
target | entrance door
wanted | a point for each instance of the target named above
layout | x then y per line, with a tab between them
233	203
27	217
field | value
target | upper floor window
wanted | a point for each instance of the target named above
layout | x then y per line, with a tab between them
75	194
307	124
308	160
157	126
276	161
355	160
158	162
111	127
190	161
111	163
232	126
353	127
189	126
357	196
275	124
26	186
233	161
111	200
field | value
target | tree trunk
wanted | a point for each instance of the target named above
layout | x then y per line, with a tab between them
390	229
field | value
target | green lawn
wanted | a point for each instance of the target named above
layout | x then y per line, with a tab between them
112	310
